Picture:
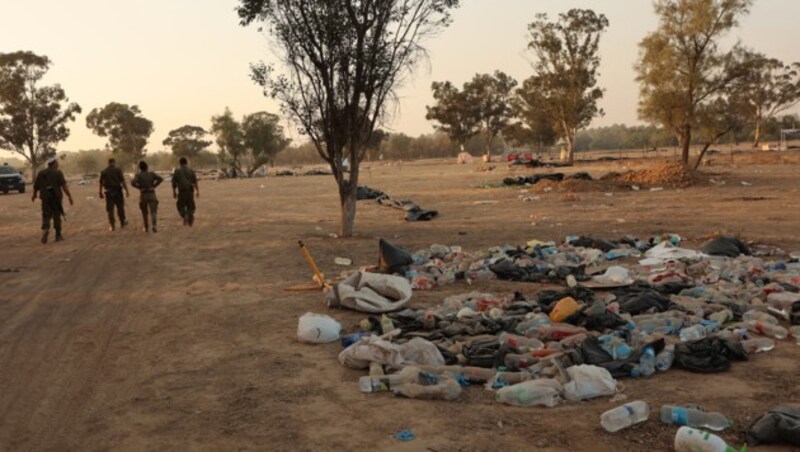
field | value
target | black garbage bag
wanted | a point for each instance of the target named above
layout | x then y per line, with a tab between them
417	214
392	259
580	176
591	242
507	271
725	246
778	426
549	298
636	300
794	316
708	355
593	353
597	318
485	353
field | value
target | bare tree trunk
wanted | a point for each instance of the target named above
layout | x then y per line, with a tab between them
702	154
757	134
686	142
348	195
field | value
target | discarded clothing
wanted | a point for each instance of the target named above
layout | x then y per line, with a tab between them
708	355
638	300
370	292
413	211
533	180
416	352
778	426
725	246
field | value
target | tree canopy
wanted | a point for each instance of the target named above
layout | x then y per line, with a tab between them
33	118
187	141
125	126
341	61
248	145
455	114
567	59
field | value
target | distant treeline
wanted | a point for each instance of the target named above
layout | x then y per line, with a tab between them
399	146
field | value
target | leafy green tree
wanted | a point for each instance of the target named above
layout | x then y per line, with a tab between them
263	139
127	130
33	118
456	115
491	96
681	68
187	141
343	60
767	88
565	70
534	125
230	140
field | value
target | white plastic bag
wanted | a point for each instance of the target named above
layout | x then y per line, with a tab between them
417	351
543	392
318	329
588	382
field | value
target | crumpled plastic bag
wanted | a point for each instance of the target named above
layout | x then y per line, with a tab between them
430	386
563	309
392	259
318	329
778	426
373	293
416	352
542	391
588	382
725	246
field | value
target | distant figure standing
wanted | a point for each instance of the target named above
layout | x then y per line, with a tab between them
51	183
112	181
184	189
147	181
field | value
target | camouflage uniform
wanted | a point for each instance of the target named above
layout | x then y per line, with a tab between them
112	179
49	182
146	182
184	179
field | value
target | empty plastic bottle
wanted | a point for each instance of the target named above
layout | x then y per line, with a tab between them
543	391
722	317
692	440
647	364
615	346
521	344
665	358
387	326
664	325
625	416
795	332
430	386
767	329
559	331
519	361
758	344
693	333
694	418
759	316
385	382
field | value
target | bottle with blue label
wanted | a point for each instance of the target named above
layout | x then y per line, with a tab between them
677	415
647	364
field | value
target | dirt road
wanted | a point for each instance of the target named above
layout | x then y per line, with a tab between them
184	339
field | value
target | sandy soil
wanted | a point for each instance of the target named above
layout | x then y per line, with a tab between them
186	340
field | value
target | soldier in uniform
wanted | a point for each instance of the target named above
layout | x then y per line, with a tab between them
147	181
49	185
112	181
184	189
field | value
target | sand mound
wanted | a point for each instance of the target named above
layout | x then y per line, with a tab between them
672	175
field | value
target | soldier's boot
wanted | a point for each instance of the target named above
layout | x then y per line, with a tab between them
154	225
45	233
190	219
123	223
59	237
146	222
112	227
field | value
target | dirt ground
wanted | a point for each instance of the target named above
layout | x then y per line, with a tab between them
185	339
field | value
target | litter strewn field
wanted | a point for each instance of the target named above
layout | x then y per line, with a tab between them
205	354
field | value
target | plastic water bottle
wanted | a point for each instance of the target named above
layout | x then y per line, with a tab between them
387	326
760	316
759	344
625	416
694	418
665	358
692	440
520	343
693	333
543	391
767	329
517	361
647	364
722	317
384	383
615	346
795	332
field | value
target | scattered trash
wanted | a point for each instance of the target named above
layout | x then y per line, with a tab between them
694	418
370	292
404	435
343	261
542	392
692	440
318	329
413	211
625	416
747	184
657	189
482	203
777	426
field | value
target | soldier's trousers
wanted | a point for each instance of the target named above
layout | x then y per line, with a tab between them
50	211
149	205
114	199
186	205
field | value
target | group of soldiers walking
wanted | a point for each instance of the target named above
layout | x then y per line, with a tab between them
51	186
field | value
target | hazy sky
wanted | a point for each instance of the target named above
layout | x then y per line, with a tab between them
182	61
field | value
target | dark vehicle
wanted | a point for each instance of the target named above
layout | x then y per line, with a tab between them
11	179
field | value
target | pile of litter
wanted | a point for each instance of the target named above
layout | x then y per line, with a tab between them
413	211
664	307
669	175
